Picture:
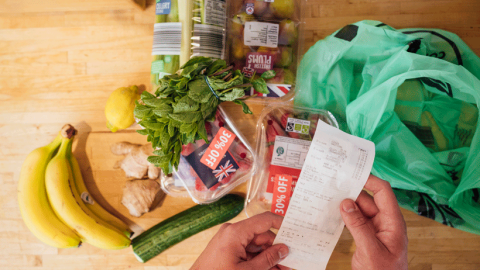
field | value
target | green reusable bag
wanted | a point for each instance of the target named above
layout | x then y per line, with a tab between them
414	93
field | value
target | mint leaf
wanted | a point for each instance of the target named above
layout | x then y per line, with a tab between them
260	86
186	117
202	131
171	130
245	108
163	110
216	66
185	104
155	102
195	60
199	90
236	93
151	125
146	95
156	160
187	128
142	131
268	74
142	111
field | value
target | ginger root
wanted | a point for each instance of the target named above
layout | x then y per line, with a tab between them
141	196
135	163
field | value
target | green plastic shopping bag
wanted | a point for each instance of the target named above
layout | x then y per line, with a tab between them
415	96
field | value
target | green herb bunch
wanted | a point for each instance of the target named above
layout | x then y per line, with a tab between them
176	114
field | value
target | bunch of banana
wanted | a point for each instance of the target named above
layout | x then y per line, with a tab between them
55	203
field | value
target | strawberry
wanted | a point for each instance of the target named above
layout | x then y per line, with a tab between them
187	149
199	186
273	129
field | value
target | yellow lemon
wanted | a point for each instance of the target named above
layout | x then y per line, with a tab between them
120	106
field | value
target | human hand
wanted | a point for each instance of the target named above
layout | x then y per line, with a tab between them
244	245
378	228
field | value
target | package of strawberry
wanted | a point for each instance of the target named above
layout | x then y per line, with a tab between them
208	171
284	135
266	35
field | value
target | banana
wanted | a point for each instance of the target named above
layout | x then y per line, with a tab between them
61	194
36	211
88	204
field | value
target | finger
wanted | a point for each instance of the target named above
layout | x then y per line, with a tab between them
384	198
261	242
359	226
366	204
267	259
258	224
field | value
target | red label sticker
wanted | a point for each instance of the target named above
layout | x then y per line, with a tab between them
260	61
281	194
217	149
275	170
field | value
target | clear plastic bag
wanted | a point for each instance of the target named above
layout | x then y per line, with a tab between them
264	35
284	134
202	183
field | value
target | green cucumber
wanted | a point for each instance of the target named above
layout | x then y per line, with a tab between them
185	224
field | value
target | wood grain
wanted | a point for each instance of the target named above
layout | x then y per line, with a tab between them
60	60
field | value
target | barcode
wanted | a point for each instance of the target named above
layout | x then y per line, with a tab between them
214	12
167	38
208	40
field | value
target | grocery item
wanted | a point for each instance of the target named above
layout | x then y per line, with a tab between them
60	187
135	163
185	29
185	224
284	135
264	35
176	114
202	182
90	202
33	203
119	107
141	196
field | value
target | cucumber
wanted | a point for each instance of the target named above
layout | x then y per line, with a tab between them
185	224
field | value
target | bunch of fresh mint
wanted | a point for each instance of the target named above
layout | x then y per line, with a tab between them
176	114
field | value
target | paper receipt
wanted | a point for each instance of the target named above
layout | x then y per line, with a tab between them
337	167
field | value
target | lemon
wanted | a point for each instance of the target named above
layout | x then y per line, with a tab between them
120	106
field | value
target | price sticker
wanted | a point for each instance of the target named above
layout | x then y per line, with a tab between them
281	194
218	147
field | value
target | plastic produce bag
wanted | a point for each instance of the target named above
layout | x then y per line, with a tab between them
263	35
208	172
415	94
284	135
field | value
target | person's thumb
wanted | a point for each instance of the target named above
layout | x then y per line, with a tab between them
268	258
359	226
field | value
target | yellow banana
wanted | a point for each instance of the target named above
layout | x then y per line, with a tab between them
89	205
61	194
36	211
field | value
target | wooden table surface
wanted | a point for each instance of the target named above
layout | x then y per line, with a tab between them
60	60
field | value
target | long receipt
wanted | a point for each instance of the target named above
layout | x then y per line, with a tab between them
337	167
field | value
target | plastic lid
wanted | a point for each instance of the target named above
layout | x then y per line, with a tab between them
284	134
207	172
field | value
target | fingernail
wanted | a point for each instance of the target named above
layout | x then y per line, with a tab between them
348	206
283	252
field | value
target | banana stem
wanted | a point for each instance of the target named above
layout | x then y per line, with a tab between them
68	131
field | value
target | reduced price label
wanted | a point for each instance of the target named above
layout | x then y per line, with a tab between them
217	149
281	194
